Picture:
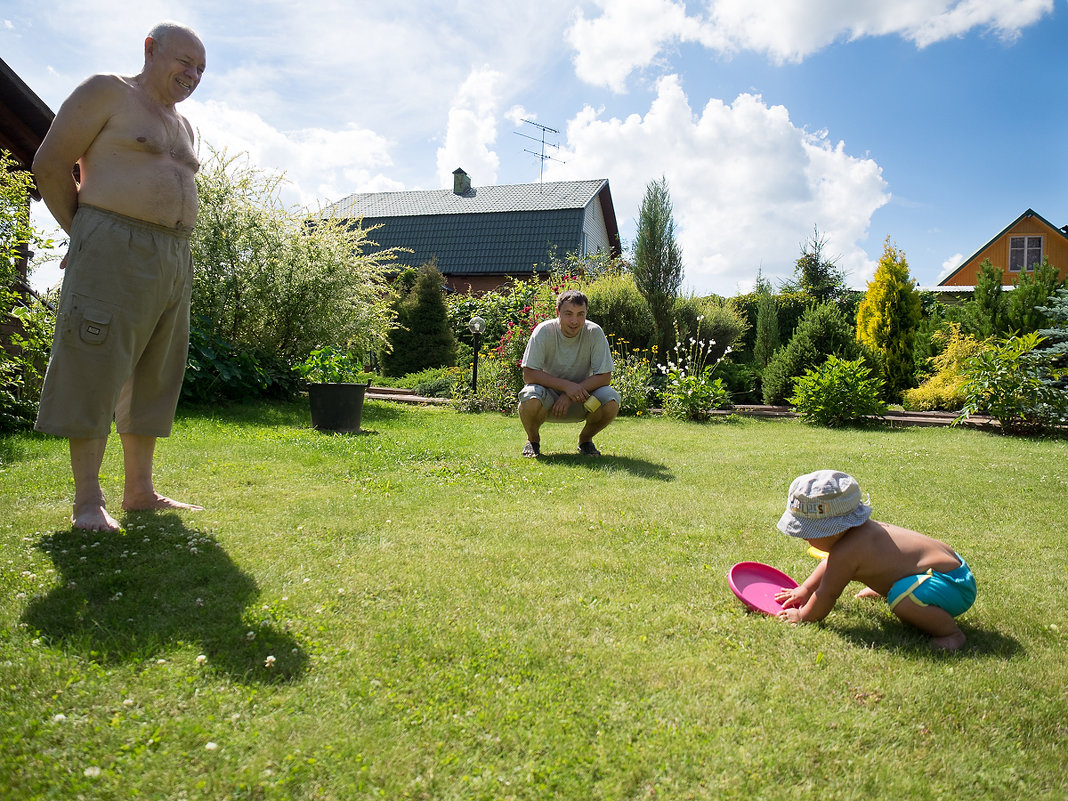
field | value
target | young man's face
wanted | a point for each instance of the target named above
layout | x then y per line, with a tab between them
572	318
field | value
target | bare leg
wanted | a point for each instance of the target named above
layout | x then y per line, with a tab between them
86	456
944	631
598	421
532	414
139	493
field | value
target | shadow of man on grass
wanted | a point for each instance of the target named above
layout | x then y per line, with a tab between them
132	594
642	468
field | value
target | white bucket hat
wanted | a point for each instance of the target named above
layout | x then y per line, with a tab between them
823	504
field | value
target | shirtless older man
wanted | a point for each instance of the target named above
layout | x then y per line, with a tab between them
122	334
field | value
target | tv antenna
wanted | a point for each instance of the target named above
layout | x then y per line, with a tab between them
542	157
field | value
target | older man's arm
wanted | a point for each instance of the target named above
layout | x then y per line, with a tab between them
80	120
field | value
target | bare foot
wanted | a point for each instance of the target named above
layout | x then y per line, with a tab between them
92	516
867	592
950	642
157	501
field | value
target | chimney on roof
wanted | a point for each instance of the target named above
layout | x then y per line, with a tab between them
461	181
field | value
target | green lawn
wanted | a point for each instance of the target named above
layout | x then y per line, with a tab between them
449	620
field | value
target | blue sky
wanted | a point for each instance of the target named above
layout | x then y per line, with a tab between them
932	122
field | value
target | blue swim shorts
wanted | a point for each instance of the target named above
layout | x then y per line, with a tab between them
953	591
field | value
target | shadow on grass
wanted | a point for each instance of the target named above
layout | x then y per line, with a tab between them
24	445
641	468
129	595
892	634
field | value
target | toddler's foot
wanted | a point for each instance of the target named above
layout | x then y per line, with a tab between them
867	592
950	642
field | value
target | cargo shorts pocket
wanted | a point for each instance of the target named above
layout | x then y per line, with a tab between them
94	326
87	323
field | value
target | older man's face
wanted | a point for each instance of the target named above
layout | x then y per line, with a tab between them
572	318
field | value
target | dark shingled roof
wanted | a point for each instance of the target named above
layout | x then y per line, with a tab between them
487	230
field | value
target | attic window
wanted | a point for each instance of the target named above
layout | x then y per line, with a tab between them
1025	252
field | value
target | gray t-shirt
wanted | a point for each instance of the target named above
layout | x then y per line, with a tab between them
573	359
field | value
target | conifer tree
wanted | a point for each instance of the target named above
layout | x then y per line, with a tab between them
767	329
985	312
1023	307
657	264
1056	311
425	338
887	319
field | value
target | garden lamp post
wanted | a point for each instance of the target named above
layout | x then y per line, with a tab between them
477	326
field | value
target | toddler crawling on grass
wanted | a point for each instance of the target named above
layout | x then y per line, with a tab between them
926	583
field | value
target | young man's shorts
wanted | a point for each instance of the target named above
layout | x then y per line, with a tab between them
122	332
953	591
576	411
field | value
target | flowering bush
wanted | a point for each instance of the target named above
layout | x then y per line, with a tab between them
495	391
691	392
631	378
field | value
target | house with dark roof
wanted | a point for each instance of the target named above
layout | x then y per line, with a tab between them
482	236
1017	250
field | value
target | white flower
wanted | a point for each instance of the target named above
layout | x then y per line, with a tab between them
250	635
202	660
268	662
210	746
60	718
91	772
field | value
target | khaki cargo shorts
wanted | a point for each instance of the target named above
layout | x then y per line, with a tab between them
575	411
122	332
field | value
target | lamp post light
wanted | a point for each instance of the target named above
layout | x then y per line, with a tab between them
476	326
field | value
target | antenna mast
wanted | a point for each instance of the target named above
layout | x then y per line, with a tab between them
542	157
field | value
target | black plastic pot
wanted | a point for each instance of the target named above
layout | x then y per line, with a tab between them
337	407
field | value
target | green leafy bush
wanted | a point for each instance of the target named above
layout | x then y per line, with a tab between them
619	308
26	324
837	393
217	370
709	319
330	365
1015	383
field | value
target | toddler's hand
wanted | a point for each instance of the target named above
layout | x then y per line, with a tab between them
792	596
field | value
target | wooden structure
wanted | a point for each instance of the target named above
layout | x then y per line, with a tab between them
1017	249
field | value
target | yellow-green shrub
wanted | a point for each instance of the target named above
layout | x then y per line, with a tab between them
944	390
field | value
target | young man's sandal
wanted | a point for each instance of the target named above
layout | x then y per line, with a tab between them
588	449
532	449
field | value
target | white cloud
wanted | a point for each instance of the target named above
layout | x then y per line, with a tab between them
320	165
632	34
949	265
471	129
747	185
628	35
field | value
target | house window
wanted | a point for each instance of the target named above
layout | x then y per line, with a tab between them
1024	252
